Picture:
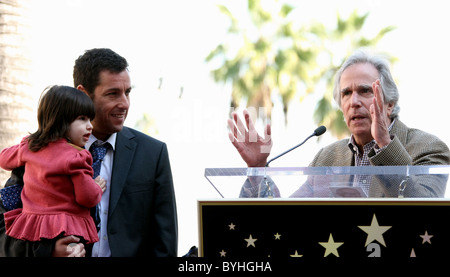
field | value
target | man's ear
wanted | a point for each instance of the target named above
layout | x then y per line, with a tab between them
80	87
390	108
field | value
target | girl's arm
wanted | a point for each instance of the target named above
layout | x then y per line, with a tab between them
87	192
10	158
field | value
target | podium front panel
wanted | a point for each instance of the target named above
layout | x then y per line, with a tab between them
324	229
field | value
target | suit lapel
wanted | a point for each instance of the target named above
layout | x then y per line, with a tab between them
345	157
123	155
400	130
349	158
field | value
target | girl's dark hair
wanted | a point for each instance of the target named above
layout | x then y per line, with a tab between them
58	107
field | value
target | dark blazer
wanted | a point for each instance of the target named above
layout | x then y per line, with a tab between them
142	219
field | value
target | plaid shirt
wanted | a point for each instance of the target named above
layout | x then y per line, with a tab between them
362	159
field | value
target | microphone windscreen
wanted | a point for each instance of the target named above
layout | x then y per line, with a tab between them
320	130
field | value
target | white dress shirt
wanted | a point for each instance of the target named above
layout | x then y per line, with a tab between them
101	248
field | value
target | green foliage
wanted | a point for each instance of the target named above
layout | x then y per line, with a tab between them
282	60
147	125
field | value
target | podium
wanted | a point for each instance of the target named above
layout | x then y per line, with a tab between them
326	213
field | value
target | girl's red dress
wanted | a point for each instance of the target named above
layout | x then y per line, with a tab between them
58	192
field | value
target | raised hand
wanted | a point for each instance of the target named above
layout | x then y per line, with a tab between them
253	148
380	112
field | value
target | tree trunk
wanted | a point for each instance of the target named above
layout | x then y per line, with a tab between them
16	112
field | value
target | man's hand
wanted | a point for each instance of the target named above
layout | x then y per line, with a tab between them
380	117
253	149
69	247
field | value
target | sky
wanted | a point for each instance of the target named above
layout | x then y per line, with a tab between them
170	39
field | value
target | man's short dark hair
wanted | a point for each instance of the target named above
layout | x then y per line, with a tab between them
87	68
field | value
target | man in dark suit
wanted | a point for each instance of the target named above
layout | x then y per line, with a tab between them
137	211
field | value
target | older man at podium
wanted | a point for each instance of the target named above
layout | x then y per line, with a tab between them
368	97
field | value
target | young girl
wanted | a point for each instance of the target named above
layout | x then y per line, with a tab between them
58	189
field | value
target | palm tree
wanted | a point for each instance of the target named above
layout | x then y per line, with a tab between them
15	100
279	59
282	60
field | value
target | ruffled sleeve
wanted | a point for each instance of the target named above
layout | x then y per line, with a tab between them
87	192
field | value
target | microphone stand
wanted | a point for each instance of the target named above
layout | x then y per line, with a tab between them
269	190
289	150
318	132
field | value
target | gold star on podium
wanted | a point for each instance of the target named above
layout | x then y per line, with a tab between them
426	237
375	231
251	241
277	236
231	226
331	246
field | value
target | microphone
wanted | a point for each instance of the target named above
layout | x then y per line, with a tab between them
317	132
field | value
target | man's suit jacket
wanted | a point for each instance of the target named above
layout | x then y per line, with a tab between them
409	147
142	219
142	216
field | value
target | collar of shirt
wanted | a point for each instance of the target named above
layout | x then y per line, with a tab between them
366	148
111	140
